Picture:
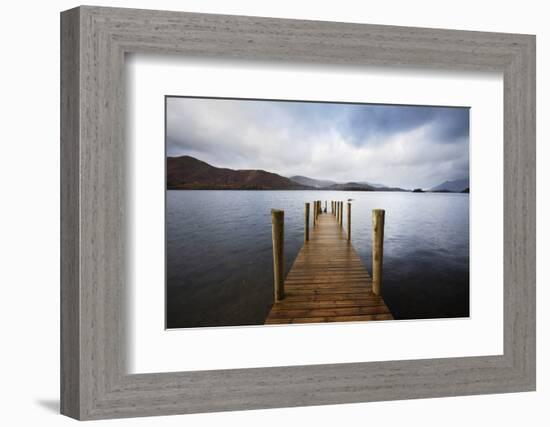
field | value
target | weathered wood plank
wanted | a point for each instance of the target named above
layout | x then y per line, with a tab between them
362	318
328	282
316	297
329	312
309	304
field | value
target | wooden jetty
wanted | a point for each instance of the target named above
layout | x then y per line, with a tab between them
328	281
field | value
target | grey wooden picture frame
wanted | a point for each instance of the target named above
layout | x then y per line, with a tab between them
94	381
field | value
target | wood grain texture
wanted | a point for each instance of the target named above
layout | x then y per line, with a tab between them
328	266
70	221
94	381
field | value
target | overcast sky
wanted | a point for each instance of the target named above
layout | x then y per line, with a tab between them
403	146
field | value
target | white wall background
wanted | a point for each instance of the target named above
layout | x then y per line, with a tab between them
29	213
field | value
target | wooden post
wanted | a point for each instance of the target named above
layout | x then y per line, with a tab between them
349	221
377	249
325	206
314	216
341	210
306	223
317	211
278	238
338	213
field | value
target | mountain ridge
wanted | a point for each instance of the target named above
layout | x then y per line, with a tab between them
312	182
453	186
189	173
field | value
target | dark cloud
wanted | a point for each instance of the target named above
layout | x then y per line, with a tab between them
372	123
452	124
421	145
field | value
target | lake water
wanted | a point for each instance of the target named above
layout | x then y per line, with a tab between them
219	255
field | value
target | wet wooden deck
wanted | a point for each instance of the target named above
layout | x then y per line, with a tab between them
328	282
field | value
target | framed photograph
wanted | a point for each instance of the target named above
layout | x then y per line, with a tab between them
215	269
262	213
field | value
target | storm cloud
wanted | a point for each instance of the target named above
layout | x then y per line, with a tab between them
403	146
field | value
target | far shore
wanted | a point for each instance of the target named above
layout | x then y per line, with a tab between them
313	189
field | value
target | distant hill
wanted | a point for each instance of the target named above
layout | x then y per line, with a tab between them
373	184
189	173
362	186
312	182
325	184
456	186
382	188
352	186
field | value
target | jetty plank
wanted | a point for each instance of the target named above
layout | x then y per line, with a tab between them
328	282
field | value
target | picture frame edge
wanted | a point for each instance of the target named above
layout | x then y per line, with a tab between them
93	382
